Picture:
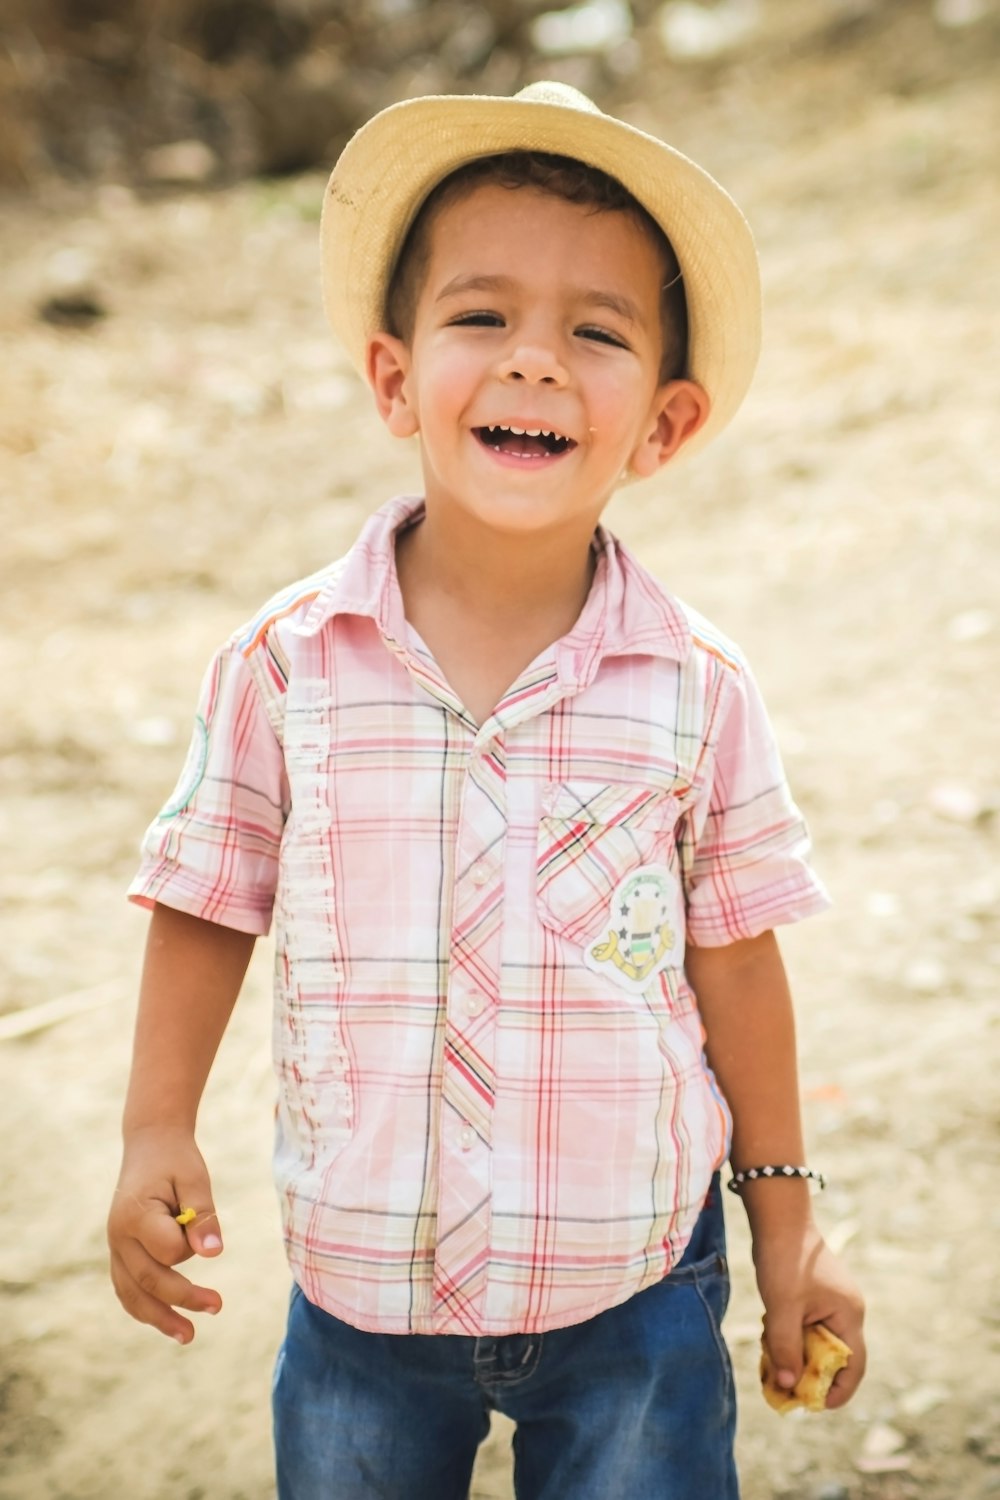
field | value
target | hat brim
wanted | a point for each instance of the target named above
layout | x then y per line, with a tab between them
388	168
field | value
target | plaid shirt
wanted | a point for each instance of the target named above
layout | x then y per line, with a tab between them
494	1110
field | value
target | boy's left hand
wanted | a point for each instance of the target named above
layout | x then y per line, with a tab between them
801	1282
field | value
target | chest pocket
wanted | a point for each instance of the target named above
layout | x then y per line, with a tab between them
591	836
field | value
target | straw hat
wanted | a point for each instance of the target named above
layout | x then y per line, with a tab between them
388	168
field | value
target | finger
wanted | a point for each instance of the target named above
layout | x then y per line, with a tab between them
152	1223
164	1284
194	1196
846	1320
150	1291
203	1233
144	1307
169	1241
784	1338
849	1378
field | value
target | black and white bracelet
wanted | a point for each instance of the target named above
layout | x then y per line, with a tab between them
754	1174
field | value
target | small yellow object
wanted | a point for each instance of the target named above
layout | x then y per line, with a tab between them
186	1216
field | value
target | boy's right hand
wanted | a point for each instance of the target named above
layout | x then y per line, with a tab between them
162	1172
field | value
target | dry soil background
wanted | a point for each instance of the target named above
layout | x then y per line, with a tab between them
164	470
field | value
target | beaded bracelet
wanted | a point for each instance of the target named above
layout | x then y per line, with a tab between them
752	1174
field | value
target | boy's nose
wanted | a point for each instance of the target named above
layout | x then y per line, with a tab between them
535	365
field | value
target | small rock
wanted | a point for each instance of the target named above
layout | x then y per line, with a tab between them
970	625
69	270
69	298
594	26
883	904
981	898
984	1441
882	1451
181	163
954	14
72	309
743	1333
831	1491
925	976
921	1399
697	33
155	731
957	802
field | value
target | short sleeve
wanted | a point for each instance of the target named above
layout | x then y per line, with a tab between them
212	850
744	845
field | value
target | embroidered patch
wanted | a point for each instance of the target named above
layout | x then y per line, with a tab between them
645	931
193	772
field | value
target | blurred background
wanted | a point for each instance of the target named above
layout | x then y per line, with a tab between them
179	437
155	91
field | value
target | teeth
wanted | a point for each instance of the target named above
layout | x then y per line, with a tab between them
524	431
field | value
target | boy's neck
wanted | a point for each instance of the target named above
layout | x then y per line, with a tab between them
487	606
497	577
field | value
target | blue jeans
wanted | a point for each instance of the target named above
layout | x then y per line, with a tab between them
635	1404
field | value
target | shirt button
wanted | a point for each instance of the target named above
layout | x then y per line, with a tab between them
474	1005
467	1137
480	873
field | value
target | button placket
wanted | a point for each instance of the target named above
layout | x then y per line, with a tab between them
465	1180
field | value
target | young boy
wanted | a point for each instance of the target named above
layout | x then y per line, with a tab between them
525	833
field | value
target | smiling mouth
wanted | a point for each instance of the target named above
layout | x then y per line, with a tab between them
524	442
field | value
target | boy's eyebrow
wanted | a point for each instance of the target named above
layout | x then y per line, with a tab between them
459	284
615	302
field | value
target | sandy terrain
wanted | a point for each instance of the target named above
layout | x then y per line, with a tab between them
162	472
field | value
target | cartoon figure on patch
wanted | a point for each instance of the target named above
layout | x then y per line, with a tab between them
645	930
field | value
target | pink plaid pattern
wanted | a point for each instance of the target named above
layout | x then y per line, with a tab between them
480	1129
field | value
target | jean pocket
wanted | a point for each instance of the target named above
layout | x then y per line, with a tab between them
591	836
707	1280
713	1292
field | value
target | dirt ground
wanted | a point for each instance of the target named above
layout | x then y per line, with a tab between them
164	470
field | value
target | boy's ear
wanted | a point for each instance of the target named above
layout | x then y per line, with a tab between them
387	365
681	409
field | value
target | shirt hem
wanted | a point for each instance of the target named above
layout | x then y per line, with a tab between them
150	890
790	903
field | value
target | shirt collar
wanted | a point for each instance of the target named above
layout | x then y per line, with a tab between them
365	582
627	611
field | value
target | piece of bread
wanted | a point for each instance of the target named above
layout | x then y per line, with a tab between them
825	1354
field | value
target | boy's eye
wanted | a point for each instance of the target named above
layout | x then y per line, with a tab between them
478	320
602	336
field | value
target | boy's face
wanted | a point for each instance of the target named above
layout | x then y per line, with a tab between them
532	375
